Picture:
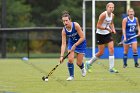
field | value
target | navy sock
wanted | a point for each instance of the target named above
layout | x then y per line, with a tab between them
82	66
125	59
135	56
71	69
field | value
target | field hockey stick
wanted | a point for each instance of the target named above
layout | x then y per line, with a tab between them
26	61
128	39
46	77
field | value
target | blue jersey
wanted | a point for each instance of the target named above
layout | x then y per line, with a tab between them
73	38
131	27
131	30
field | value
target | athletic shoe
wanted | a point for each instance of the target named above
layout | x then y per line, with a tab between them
113	70
125	65
83	72
70	78
137	65
88	67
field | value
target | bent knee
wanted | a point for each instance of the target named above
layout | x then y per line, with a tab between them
134	50
111	50
71	60
100	53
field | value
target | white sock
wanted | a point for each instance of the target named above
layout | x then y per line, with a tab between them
92	60
111	62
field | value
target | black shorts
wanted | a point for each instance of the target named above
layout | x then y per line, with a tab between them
103	39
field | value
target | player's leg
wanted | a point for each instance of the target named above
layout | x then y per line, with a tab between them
71	66
100	40
98	54
94	58
81	64
126	48
135	54
111	57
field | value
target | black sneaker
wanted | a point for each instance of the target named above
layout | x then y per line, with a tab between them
125	65
137	65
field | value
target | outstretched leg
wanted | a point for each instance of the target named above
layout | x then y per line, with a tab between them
95	57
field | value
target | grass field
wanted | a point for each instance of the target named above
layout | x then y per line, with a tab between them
18	77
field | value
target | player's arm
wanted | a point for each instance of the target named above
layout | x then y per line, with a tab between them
138	26
80	33
124	28
63	44
100	22
112	27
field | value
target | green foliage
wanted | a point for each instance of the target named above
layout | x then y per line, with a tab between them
41	9
21	13
18	14
27	13
16	42
48	13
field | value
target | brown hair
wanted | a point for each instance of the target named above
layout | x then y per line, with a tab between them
66	14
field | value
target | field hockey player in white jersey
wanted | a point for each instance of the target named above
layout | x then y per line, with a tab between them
105	27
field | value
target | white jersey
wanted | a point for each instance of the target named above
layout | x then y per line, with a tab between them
105	24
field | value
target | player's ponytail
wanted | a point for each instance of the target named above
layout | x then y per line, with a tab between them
66	14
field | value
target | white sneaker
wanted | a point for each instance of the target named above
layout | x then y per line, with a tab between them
70	78
83	72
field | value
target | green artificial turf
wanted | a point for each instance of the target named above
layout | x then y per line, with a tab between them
19	77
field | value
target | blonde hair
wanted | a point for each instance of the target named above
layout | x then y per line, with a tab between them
109	4
130	9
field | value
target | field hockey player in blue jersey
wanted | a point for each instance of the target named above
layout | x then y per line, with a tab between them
76	44
129	25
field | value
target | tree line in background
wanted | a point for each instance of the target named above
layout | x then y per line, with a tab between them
27	13
47	13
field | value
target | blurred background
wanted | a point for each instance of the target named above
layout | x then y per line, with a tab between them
32	28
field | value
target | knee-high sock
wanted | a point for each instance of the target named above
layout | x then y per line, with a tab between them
71	69
81	66
111	62
135	56
124	59
92	60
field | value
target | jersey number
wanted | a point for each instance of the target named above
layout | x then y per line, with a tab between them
132	28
